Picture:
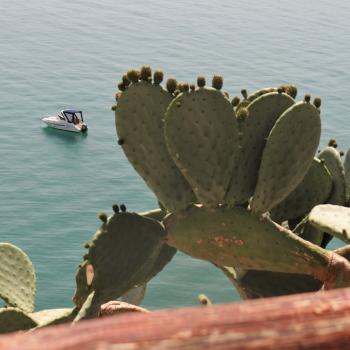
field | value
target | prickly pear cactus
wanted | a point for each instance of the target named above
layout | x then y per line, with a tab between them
17	278
254	130
139	121
14	319
202	137
314	189
292	142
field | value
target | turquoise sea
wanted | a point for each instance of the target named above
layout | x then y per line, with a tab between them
70	53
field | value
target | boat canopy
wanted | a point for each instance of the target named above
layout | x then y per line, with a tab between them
72	115
72	111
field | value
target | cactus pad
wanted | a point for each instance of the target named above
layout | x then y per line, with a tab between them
333	219
262	115
235	237
314	189
17	278
202	137
139	122
334	164
13	319
52	317
122	251
288	154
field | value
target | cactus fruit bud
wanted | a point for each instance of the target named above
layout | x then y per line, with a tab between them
177	92
86	256
117	95
317	102
192	87
114	107
158	77
121	86
242	114
204	300
171	85
133	75
217	82
146	73
307	98
332	143
235	101
125	80
341	153
244	93
184	87
121	142
115	208
123	208
280	89
201	81
87	245
103	217
291	90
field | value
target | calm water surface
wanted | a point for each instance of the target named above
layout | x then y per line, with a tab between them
57	54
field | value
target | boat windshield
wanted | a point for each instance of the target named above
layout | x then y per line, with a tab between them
73	116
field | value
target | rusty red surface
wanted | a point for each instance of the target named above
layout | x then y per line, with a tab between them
305	321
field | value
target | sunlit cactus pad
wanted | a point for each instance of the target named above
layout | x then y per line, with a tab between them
17	278
254	130
292	141
202	137
139	121
51	317
333	219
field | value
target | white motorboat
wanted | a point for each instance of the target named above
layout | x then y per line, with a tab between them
67	119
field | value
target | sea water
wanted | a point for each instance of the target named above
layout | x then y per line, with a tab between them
56	54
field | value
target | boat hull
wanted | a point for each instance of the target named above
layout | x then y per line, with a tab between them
64	126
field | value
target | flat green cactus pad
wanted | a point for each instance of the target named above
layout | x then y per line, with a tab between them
334	164
347	175
202	137
314	189
13	319
333	219
254	130
123	251
287	156
17	278
139	122
236	237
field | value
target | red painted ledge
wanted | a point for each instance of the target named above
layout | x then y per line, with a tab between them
304	321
